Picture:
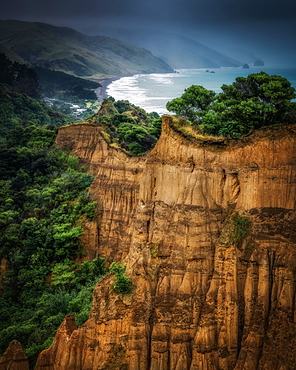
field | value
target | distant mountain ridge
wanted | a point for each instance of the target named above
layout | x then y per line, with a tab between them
178	51
64	49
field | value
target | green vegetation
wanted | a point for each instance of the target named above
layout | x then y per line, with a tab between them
44	203
63	86
66	50
19	77
72	96
235	229
249	103
122	284
128	127
19	107
153	247
21	90
43	206
75	110
18	112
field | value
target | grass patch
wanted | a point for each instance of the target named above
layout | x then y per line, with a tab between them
122	283
189	131
235	229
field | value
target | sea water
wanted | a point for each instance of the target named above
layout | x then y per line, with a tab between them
152	91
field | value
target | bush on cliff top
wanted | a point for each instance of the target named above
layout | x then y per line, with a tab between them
249	103
122	283
127	126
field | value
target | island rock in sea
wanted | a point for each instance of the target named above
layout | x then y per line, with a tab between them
208	233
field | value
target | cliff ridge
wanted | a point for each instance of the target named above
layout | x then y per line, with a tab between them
207	231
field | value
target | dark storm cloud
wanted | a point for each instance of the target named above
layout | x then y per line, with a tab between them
190	10
251	10
267	26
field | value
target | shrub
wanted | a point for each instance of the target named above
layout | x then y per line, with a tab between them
122	282
235	229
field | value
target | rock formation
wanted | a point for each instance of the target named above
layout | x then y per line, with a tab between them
14	358
207	231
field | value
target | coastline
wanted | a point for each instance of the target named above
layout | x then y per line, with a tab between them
152	91
101	92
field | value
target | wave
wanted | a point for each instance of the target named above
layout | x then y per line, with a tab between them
152	91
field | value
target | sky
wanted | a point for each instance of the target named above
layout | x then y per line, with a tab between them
266	28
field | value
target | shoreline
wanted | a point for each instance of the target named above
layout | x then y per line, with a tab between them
101	91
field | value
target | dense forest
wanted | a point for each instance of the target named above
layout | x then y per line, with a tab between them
55	84
61	89
44	203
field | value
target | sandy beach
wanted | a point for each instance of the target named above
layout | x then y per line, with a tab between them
101	92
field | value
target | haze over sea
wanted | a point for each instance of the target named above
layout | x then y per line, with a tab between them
152	91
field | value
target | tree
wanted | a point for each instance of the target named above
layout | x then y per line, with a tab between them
259	98
248	103
193	104
21	78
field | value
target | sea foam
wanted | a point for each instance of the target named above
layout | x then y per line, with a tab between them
152	91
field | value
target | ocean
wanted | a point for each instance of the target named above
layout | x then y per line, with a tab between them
152	91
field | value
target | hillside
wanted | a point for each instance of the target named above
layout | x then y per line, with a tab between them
64	49
179	51
11	55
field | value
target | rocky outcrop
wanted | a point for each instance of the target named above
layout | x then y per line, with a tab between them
49	358
14	358
207	231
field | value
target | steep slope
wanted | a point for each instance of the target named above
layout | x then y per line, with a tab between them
208	234
14	358
179	51
115	188
11	55
64	49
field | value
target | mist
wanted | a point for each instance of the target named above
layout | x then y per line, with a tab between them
242	30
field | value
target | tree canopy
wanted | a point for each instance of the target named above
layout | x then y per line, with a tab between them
44	203
248	103
21	78
128	126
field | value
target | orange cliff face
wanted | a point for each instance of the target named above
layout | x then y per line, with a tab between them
209	292
115	188
14	358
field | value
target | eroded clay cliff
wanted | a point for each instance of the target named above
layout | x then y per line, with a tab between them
14	358
205	296
115	188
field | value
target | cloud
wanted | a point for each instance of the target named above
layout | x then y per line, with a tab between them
192	11
264	25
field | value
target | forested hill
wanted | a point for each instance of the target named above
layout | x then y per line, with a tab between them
64	49
44	203
20	104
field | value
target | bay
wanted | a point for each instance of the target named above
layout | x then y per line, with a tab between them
152	91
